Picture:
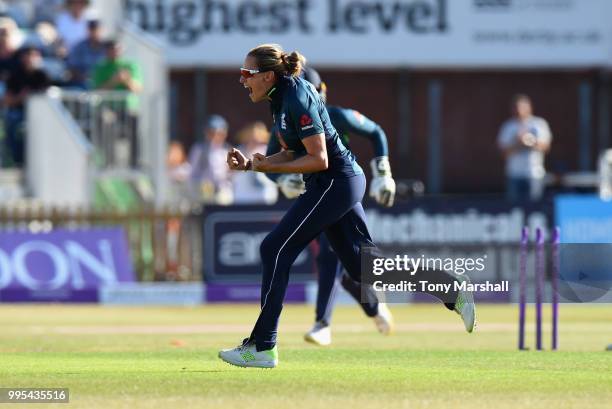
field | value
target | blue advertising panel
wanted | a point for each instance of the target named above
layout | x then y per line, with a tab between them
455	228
232	236
584	219
585	257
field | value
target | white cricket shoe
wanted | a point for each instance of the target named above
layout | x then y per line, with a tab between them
384	319
465	307
247	356
320	334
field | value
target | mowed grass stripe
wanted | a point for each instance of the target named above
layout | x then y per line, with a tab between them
414	368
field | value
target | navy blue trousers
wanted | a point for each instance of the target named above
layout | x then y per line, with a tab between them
331	276
330	205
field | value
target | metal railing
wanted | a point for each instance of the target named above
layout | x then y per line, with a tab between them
165	245
109	123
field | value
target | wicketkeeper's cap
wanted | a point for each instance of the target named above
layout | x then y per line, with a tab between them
311	75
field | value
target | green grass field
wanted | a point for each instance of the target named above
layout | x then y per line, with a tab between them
114	357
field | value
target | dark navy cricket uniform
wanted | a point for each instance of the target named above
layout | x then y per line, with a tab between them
347	122
331	203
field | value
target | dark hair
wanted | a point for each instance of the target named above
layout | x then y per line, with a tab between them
311	75
93	23
28	48
111	43
271	57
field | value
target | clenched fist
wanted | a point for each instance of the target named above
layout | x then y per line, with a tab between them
237	161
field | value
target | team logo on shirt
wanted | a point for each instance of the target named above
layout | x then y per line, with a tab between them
283	124
306	122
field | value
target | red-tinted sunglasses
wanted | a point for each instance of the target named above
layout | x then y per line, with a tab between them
246	73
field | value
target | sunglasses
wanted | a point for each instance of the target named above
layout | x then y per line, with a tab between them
246	73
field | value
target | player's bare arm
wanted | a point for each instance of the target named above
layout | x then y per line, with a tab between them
315	159
282	156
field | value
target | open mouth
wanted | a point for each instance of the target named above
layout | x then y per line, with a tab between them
250	90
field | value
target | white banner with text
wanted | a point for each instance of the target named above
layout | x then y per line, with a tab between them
383	33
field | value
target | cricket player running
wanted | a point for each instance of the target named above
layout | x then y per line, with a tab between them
382	189
335	185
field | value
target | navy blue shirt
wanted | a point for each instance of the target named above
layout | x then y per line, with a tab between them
298	112
346	122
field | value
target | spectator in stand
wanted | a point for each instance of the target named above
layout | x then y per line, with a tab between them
254	187
47	10
524	140
46	38
115	73
210	179
8	58
86	55
179	168
49	41
8	63
16	36
27	79
72	22
10	40
179	171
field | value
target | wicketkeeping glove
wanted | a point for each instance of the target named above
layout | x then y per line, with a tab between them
382	186
292	185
